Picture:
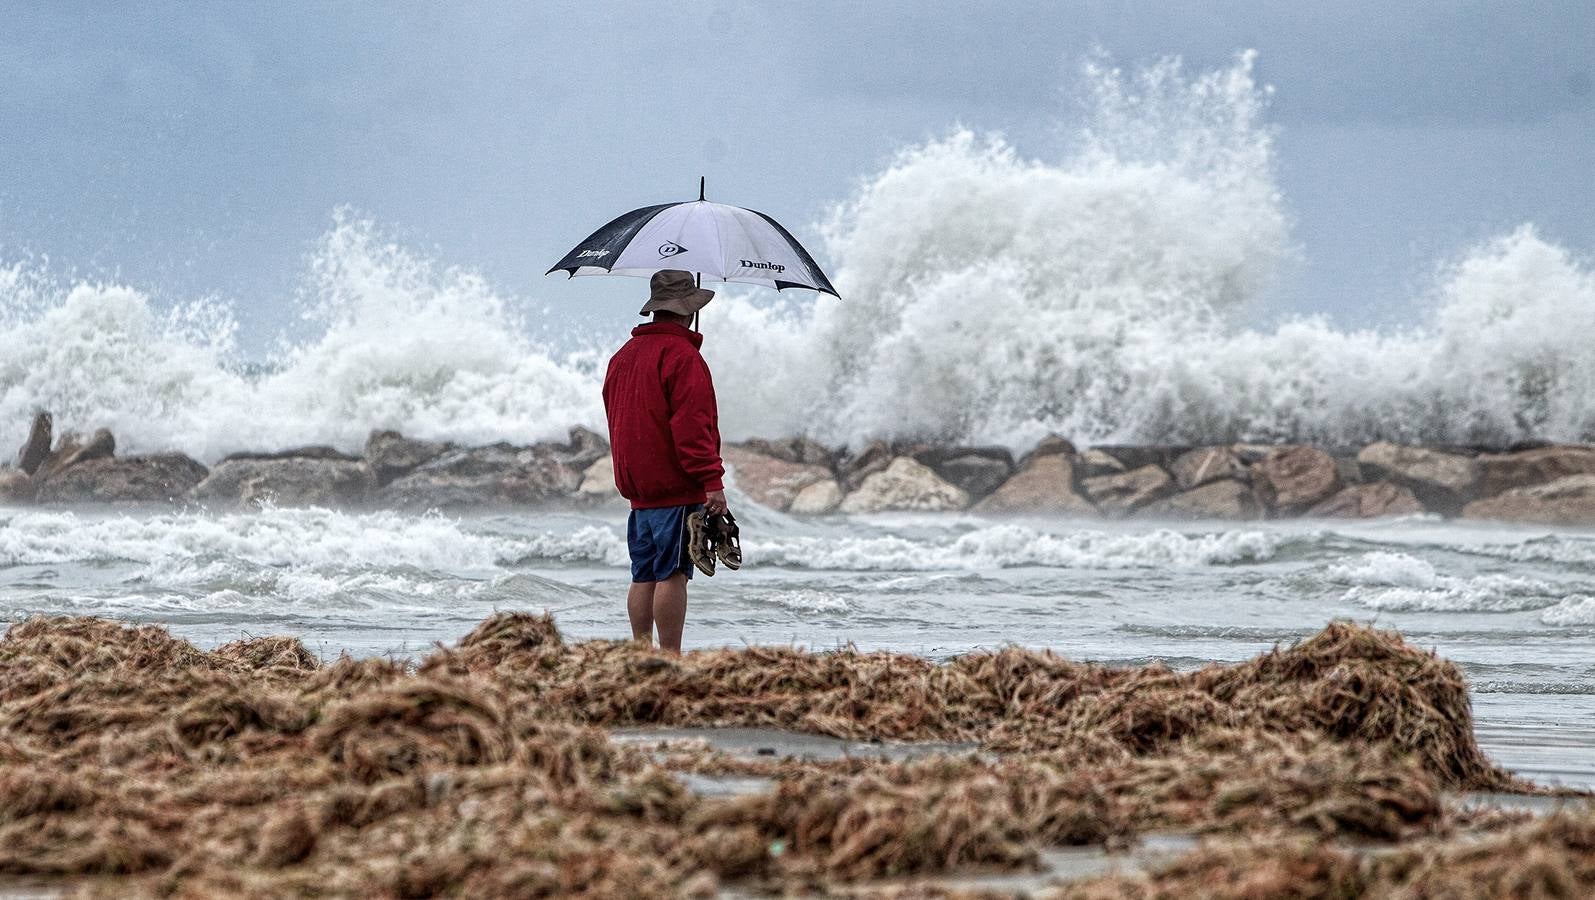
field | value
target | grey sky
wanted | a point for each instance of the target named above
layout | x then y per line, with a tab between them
200	148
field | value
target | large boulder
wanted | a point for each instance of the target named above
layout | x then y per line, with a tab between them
769	481
1052	443
16	486
817	499
1441	481
66	448
584	448
289	481
1501	472
1139	456
101	446
158	478
904	484
36	449
392	455
1369	501
1195	468
1565	501
1223	499
1095	464
1292	479
312	451
1045	485
792	450
977	470
598	481
1120	495
495	475
855	467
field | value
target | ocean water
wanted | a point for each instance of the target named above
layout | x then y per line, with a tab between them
1514	607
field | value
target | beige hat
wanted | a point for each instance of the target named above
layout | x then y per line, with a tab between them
673	290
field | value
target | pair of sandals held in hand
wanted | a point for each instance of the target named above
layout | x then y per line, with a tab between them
712	538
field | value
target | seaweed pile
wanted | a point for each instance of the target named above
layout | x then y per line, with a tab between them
133	763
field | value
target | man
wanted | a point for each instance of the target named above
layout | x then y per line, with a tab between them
664	433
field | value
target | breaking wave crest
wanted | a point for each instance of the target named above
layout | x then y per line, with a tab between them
989	297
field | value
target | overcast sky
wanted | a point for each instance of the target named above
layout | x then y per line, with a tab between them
200	149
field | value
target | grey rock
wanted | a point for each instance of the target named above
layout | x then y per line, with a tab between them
817	499
1501	472
1120	495
66	447
1369	501
392	455
313	451
36	449
769	481
1443	482
101	446
1049	445
1095	464
157	478
793	450
1044	486
290	481
904	484
1293	479
598	480
16	486
1136	456
1252	454
495	475
1569	500
1204	464
977	473
1223	499
1349	470
584	448
854	468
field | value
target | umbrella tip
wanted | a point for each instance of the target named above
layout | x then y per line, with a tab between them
700	187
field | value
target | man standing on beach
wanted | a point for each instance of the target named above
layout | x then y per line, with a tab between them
664	433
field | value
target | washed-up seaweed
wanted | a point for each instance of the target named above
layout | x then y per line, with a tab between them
133	763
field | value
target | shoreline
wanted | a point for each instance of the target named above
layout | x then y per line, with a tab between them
1538	483
359	775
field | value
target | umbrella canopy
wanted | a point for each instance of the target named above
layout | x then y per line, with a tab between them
713	240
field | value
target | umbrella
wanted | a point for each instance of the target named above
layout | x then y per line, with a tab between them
715	241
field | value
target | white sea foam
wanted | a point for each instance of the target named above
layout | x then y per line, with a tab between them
808	601
1398	581
989	296
403	343
1578	609
1012	546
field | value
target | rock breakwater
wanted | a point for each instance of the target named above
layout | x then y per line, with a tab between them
1552	484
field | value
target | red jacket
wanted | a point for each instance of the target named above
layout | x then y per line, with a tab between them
664	430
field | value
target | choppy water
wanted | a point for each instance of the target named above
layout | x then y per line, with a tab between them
1515	607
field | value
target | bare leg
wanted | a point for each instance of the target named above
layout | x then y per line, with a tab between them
670	611
640	606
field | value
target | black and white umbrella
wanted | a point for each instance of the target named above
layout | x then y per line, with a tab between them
712	240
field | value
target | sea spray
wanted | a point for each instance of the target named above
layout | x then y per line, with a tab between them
400	342
988	297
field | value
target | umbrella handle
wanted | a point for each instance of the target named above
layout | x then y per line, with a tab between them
697	277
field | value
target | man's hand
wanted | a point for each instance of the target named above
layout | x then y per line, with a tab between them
715	504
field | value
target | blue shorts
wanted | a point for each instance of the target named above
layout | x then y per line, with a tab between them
657	539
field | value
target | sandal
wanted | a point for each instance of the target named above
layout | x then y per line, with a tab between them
700	543
727	540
